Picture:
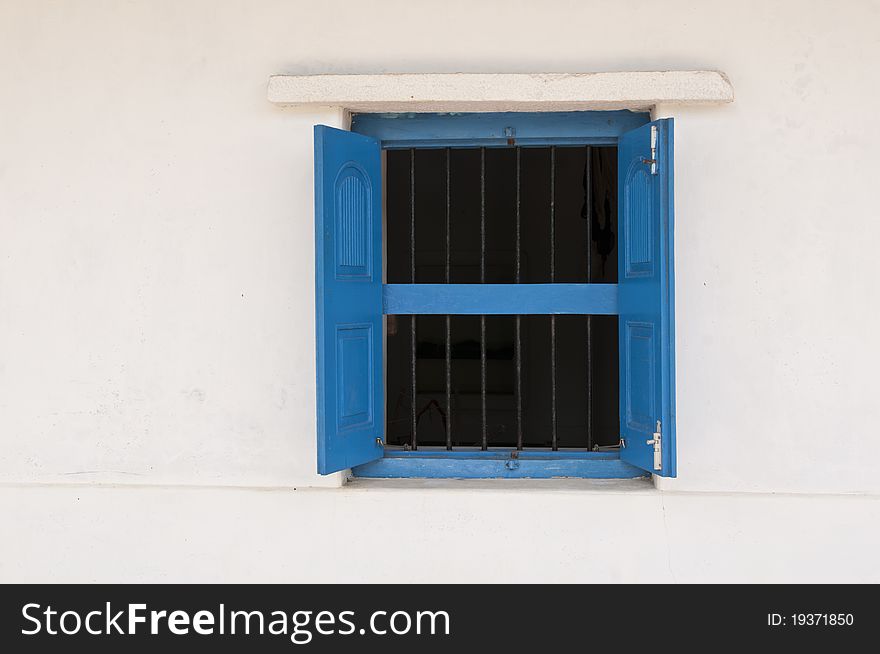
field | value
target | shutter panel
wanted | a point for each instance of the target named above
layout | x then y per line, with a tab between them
645	297
348	253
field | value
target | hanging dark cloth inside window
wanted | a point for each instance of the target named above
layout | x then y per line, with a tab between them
600	216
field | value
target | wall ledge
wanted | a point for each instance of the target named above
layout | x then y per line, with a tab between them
478	92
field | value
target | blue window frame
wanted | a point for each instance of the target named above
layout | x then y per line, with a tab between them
351	299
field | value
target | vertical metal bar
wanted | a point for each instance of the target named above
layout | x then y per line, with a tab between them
554	435
448	317
518	341
588	202
484	420
412	279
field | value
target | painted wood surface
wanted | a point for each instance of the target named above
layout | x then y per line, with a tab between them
348	294
504	299
498	464
497	129
645	296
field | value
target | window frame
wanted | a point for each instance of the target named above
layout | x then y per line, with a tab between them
409	130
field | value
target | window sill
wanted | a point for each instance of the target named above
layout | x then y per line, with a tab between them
442	464
642	485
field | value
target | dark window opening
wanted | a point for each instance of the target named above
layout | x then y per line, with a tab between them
501	215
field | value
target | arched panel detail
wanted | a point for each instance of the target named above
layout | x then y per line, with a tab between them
353	219
638	236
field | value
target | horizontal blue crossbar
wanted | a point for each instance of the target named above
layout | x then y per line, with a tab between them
409	130
505	299
498	464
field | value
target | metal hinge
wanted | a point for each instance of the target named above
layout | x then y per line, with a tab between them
653	159
658	452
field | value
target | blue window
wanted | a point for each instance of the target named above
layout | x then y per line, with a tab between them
506	309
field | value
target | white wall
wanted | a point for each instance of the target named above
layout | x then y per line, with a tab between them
558	532
156	235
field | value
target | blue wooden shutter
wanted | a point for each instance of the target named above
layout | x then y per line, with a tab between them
348	253
645	286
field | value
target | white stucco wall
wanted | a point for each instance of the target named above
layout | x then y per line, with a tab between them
156	275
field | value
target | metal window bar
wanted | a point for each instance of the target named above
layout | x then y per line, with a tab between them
483	413
412	275
588	217
518	278
448	317
554	437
